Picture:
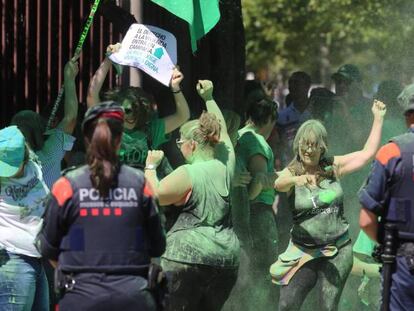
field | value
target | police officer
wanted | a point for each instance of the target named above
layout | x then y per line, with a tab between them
102	227
388	194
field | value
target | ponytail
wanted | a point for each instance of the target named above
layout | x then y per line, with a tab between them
101	155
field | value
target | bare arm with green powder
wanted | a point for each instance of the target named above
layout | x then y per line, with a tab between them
205	90
98	79
354	161
172	189
285	180
182	112
68	122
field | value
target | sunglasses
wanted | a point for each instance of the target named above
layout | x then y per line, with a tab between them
313	147
128	110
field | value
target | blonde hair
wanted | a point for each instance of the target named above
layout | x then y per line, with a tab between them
204	130
312	128
306	130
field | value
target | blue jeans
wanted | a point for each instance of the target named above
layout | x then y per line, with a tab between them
23	283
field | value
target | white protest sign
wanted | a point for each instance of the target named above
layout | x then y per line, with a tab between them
149	48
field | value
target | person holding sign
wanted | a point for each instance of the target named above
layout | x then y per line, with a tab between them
202	253
142	129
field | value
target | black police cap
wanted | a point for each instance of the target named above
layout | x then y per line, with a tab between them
103	109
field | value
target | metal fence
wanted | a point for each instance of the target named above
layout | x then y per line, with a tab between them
37	38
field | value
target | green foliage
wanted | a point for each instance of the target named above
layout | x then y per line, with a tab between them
315	34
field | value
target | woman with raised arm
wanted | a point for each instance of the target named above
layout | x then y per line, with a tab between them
202	249
102	226
320	252
143	130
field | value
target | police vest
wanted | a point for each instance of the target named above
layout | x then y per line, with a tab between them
401	200
108	234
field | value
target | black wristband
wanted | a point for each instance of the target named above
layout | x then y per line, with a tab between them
176	92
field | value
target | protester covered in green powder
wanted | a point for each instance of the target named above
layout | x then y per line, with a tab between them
51	145
319	253
256	155
143	130
202	252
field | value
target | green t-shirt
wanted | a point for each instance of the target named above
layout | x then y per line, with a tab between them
135	143
250	144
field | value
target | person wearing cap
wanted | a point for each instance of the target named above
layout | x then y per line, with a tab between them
23	193
102	226
143	129
202	254
388	195
51	145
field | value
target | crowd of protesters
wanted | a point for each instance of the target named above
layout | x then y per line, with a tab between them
262	211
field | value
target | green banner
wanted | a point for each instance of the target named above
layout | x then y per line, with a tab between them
201	15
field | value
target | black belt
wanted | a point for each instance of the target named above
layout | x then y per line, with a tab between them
138	272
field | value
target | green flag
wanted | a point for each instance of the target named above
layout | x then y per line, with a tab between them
201	15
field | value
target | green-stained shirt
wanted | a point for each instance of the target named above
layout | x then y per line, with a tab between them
249	145
202	233
135	143
318	213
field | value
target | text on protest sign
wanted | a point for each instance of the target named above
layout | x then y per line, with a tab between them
149	48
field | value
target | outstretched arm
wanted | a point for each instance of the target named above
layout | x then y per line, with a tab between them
173	188
182	112
68	122
286	181
98	79
354	161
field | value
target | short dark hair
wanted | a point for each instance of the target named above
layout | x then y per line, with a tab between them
260	111
300	76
